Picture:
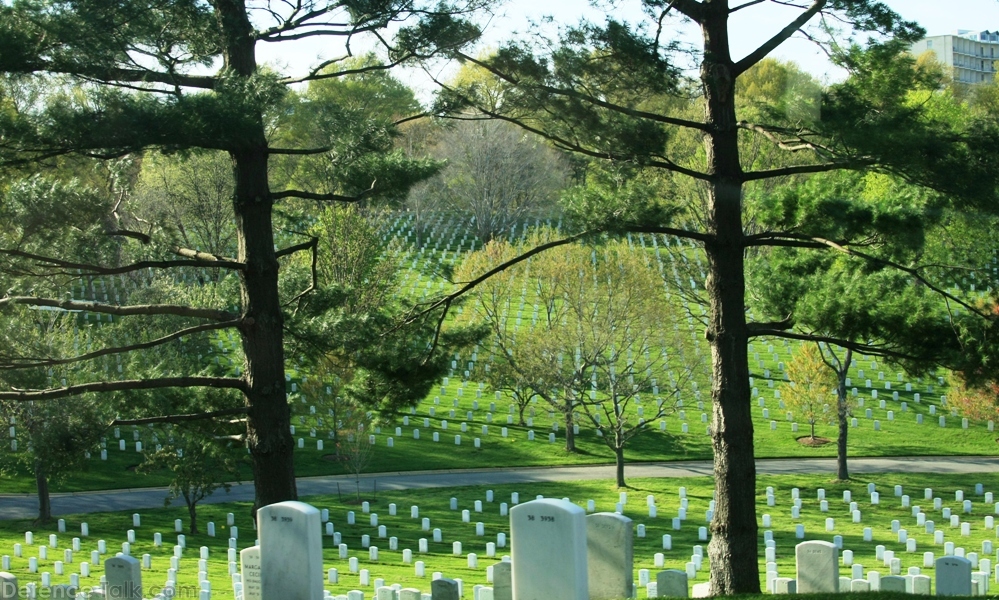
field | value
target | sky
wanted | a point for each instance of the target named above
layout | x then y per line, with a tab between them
748	29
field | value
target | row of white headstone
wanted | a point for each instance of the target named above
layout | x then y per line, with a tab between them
557	552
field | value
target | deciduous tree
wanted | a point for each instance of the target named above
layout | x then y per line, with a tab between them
811	383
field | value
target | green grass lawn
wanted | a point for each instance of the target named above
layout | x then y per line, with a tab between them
899	437
434	504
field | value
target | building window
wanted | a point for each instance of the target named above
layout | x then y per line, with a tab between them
929	43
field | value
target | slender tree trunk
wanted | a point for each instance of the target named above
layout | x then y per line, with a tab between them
192	511
269	419
570	435
44	499
842	472
619	464
733	552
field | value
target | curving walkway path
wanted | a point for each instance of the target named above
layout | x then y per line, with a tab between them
23	506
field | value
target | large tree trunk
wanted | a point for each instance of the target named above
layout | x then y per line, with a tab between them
842	472
44	499
733	550
268	432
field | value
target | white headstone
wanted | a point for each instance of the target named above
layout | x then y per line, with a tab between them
817	567
8	586
250	573
953	576
672	583
291	551
124	578
502	581
548	549
610	556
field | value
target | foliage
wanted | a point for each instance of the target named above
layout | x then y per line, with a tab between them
190	197
348	329
199	465
604	334
811	384
496	174
354	450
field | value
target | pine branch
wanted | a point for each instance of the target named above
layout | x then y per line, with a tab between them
570	146
131	384
569	93
915	272
122	311
112	75
50	362
770	45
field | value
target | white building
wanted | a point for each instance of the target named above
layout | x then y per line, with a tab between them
970	56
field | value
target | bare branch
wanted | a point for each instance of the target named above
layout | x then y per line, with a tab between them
49	362
122	311
138	235
323	197
867	349
129	384
299	152
316	74
692	9
912	271
805	169
242	410
312	244
422	115
447	300
745	5
47	262
565	144
214	261
297	248
784	324
771	134
770	45
681	233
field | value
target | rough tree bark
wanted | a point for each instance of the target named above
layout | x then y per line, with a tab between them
733	548
842	405
269	418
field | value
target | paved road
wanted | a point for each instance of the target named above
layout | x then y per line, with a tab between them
20	506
